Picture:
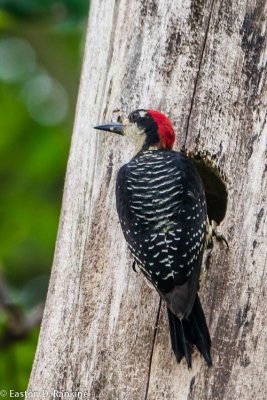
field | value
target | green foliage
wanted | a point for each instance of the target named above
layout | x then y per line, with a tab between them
16	363
34	8
40	60
32	165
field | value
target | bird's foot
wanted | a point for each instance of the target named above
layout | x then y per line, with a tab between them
213	231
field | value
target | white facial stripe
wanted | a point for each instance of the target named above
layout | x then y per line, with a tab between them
142	113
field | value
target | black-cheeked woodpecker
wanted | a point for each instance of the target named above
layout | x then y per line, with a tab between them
162	210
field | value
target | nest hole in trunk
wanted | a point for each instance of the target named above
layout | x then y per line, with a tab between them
214	183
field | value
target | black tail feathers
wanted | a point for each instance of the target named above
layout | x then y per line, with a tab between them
189	332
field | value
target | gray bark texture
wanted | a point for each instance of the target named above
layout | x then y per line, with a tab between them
203	63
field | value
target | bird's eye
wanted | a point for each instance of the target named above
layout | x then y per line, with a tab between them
134	116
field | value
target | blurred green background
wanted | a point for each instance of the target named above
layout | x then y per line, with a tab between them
41	46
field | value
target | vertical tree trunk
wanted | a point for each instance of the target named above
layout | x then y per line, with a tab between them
203	63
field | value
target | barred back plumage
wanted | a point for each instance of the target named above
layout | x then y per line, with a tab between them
162	210
163	215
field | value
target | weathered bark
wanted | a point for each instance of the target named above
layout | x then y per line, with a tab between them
203	63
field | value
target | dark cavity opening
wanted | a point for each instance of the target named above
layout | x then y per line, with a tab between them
214	183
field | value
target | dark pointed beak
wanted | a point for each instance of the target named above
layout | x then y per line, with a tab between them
113	127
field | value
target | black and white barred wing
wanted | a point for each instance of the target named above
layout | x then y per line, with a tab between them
161	206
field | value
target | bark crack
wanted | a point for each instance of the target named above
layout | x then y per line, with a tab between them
152	350
198	73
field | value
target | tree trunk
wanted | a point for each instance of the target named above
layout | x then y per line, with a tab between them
203	63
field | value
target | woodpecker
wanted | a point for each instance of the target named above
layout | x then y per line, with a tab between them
161	204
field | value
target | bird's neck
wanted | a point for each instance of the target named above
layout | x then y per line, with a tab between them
143	146
157	146
154	147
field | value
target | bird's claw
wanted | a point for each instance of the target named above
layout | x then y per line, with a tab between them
214	232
